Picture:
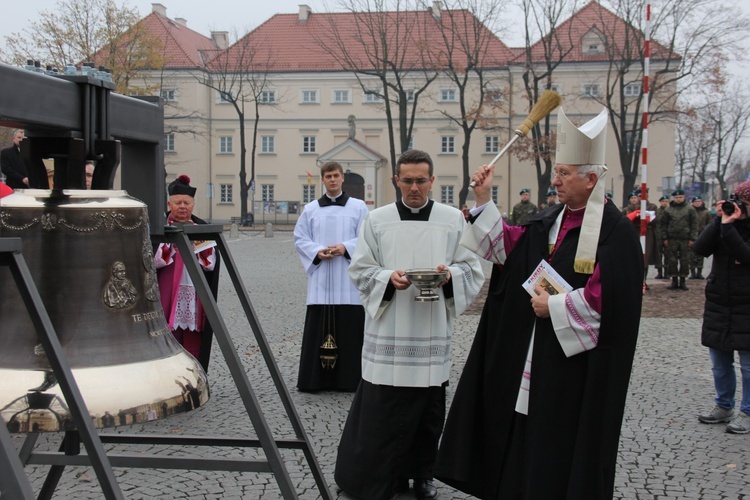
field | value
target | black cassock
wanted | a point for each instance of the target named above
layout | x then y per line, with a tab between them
566	447
348	330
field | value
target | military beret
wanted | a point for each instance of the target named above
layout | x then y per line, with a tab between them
525	190
632	193
678	192
696	198
664	198
551	192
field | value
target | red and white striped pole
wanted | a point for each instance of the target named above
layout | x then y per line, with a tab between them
644	137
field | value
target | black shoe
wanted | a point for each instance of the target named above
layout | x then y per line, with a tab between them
683	286
425	488
674	285
699	274
400	485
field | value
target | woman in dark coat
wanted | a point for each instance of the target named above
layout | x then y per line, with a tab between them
726	318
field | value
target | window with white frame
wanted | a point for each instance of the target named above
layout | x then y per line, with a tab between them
168	94
309	96
590	90
372	97
491	144
495	191
169	142
308	144
632	90
267	97
556	87
225	144
409	95
448	95
629	142
266	192
225	97
225	193
267	144
342	96
308	193
446	195
447	144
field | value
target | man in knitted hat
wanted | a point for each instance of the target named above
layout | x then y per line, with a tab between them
182	309
538	408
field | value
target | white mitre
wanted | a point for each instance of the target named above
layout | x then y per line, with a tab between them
585	145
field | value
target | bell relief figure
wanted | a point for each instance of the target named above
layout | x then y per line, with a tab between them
119	292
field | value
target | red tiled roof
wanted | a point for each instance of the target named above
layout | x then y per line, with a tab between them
593	16
182	46
284	43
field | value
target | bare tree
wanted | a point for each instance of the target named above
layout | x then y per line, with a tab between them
239	75
88	30
686	34
712	128
544	18
730	116
469	53
695	146
388	52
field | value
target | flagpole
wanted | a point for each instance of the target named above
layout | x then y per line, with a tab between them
644	137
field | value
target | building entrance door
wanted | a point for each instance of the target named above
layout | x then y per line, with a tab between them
354	185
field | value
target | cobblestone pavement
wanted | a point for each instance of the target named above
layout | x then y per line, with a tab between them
664	452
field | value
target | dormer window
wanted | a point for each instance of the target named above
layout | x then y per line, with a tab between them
592	43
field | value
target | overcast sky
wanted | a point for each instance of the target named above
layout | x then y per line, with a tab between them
202	16
238	16
222	15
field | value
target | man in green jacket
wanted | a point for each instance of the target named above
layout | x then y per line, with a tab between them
661	263
704	217
679	229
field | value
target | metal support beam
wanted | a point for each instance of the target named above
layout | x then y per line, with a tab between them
83	108
181	236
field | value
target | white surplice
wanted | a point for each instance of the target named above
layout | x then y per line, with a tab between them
317	228
407	343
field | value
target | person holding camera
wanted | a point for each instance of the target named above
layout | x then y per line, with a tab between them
726	317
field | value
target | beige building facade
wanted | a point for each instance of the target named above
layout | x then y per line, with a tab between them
309	117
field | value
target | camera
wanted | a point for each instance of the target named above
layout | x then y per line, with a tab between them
728	206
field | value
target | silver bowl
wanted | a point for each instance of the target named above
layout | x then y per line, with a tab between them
426	280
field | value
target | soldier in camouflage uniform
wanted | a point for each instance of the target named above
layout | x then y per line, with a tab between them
679	228
660	257
551	198
524	210
704	217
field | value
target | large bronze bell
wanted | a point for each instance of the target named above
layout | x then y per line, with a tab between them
90	255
